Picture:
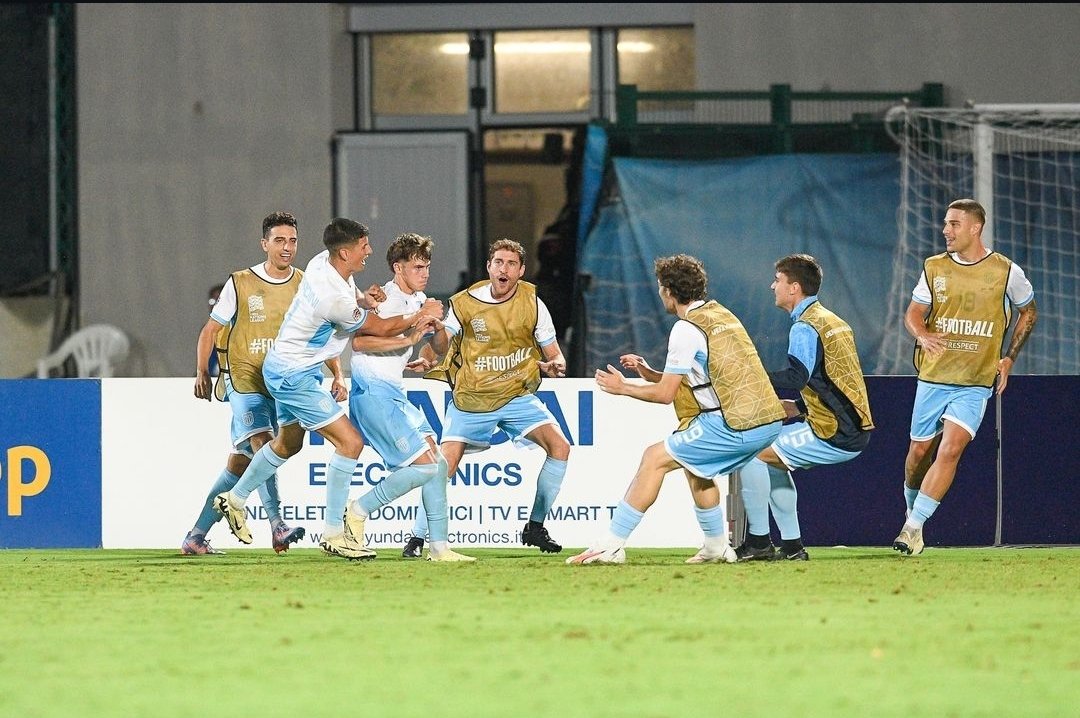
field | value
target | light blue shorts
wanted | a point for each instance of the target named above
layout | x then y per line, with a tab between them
301	398
799	448
520	416
708	447
390	423
934	403
251	414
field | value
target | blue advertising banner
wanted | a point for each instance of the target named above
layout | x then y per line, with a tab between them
50	463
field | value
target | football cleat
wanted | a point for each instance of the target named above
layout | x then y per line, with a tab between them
414	548
284	535
800	555
746	552
727	555
344	547
909	542
197	546
613	555
354	526
234	517
535	534
449	556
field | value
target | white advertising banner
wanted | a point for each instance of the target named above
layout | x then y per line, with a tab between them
162	449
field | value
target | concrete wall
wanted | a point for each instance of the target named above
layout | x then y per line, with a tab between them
989	53
196	120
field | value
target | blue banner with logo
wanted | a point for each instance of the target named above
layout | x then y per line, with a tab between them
50	463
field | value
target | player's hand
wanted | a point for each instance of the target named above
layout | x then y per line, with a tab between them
419	366
431	308
338	390
610	380
791	409
554	368
932	344
634	362
203	385
1005	366
424	325
373	297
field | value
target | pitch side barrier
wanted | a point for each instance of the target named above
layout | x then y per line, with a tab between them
76	454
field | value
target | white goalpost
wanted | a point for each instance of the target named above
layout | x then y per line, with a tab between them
1022	163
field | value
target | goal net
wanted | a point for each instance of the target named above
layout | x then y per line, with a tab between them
1022	163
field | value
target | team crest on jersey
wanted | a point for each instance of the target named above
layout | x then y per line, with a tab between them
356	314
256	309
939	289
479	327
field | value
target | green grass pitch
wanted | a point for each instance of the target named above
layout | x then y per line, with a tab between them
853	632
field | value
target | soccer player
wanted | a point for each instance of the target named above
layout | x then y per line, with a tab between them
322	318
245	315
379	405
493	367
727	410
823	366
959	314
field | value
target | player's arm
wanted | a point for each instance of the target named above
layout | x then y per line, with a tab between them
392	326
554	363
203	347
339	389
368	343
915	322
1024	324
663	391
635	362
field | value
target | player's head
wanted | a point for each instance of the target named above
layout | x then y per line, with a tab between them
506	266
681	279
214	295
797	276
964	221
347	241
409	257
279	239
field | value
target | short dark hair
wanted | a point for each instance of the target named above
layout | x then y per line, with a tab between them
684	276
801	268
509	245
408	245
342	232
277	219
971	207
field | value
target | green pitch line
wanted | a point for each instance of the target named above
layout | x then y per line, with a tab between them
853	632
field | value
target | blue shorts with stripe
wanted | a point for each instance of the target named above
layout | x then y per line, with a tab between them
934	403
395	428
800	448
708	447
518	417
301	397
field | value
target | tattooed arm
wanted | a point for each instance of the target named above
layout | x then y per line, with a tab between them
1024	324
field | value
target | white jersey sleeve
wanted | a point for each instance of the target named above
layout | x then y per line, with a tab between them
321	319
1019	290
686	350
225	309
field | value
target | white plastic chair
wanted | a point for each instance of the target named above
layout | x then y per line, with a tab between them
97	349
